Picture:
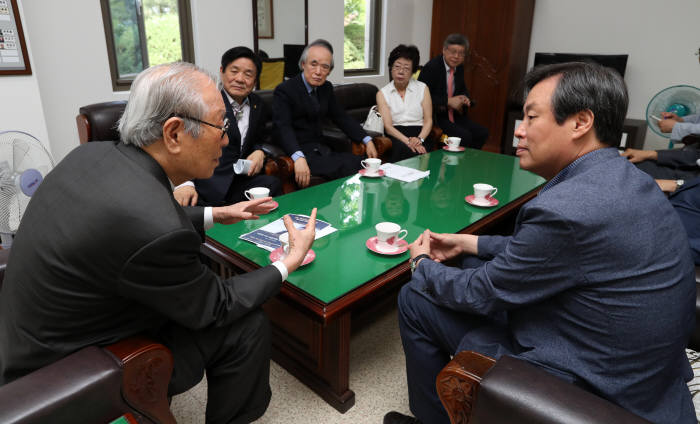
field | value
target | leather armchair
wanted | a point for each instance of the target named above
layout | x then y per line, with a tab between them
93	385
476	389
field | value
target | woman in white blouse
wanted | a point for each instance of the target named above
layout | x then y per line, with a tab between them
405	106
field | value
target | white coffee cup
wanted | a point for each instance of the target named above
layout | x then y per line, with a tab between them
482	191
388	235
256	193
453	143
284	239
242	166
371	165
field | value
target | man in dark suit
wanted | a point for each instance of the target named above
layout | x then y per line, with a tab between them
671	163
240	69
444	76
581	289
104	252
685	198
300	106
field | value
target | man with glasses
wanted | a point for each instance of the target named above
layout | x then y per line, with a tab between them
246	115
300	106
104	252
444	75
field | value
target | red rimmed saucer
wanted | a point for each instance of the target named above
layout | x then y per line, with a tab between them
273	203
276	255
492	201
364	173
371	244
457	150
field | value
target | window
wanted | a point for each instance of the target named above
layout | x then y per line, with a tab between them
362	36
141	33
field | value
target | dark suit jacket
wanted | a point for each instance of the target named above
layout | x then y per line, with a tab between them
435	76
213	190
686	202
298	122
685	158
104	252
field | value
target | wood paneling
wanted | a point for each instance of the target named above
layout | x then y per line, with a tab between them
499	36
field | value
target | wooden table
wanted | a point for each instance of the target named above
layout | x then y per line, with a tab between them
311	317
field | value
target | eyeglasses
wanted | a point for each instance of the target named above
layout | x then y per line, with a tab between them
398	68
456	52
223	128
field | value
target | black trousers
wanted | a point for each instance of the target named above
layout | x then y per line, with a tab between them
662	172
236	359
399	149
329	164
472	134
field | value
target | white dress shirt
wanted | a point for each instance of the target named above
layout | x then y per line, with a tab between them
406	111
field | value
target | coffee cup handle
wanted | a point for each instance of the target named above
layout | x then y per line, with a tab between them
363	163
247	194
401	237
493	193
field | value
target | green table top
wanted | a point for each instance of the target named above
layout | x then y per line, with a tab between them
354	205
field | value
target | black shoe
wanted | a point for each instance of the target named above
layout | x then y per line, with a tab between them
394	417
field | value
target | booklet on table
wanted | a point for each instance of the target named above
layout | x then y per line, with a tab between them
267	237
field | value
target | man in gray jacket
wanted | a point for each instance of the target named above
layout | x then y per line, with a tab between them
581	288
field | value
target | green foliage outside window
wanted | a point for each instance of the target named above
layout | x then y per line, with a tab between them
162	28
354	44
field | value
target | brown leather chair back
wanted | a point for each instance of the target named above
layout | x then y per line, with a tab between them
98	122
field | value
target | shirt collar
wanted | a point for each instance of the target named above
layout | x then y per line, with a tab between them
595	155
409	87
447	67
233	102
306	84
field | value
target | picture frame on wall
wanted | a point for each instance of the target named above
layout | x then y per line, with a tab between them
266	27
14	59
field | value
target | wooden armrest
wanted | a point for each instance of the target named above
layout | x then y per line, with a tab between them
381	143
83	128
147	368
457	384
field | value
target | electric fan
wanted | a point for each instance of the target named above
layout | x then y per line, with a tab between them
24	162
680	99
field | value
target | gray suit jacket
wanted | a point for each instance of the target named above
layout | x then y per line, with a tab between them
598	284
103	252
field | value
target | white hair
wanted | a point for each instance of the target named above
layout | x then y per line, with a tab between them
157	94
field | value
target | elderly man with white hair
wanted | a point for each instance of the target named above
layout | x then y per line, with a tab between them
104	252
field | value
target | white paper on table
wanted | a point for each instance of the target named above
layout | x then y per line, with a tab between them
403	173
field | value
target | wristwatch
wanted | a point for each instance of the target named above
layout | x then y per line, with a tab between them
679	184
414	261
422	140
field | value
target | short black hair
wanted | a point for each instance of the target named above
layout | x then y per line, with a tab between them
239	52
403	51
586	86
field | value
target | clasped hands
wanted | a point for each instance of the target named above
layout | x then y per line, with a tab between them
458	102
416	145
442	247
302	173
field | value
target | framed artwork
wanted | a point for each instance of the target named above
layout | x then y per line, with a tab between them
14	59
266	27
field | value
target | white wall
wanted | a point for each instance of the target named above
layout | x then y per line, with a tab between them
20	108
660	38
288	20
69	58
403	21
